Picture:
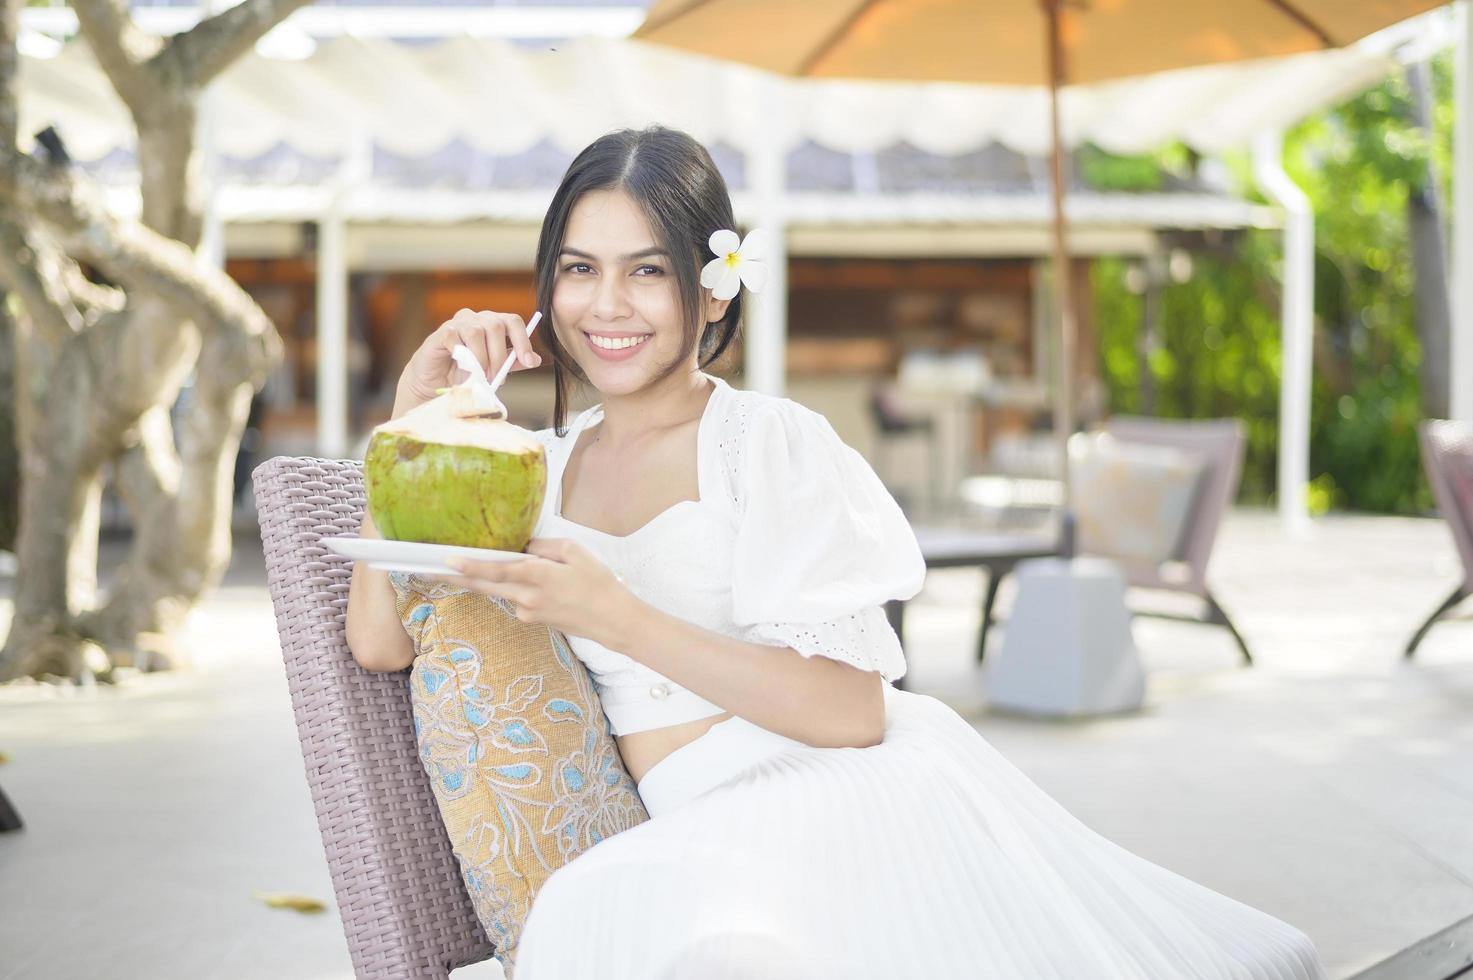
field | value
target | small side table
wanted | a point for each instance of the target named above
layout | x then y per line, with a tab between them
998	552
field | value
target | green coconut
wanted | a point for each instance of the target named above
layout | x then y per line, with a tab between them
440	475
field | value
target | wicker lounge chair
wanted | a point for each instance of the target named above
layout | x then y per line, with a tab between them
399	892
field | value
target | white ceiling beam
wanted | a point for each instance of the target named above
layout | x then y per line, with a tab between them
399	22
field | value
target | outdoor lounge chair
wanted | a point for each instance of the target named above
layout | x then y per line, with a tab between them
1221	443
1447	456
399	892
893	422
9	815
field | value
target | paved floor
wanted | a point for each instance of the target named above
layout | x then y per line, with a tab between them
1331	785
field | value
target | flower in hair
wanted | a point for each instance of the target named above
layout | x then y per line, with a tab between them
738	263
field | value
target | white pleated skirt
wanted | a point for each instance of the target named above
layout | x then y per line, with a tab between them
928	856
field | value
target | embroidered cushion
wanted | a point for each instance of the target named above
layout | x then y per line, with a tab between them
1131	500
520	755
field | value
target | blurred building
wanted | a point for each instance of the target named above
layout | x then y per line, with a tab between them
914	273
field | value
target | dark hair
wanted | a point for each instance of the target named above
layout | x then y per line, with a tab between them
674	181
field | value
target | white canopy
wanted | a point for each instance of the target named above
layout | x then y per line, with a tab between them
504	98
356	91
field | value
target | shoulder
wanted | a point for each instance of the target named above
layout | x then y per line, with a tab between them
755	417
742	416
759	434
744	407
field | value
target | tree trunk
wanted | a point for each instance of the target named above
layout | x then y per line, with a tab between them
57	439
9	454
1428	236
172	561
99	375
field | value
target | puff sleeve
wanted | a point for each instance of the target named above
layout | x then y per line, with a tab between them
820	546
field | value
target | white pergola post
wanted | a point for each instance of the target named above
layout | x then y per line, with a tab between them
1298	331
332	301
767	318
332	332
1461	350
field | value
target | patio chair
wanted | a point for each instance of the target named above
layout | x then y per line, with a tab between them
893	422
9	815
398	888
1221	444
1447	456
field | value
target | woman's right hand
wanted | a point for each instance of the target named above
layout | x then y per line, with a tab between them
490	337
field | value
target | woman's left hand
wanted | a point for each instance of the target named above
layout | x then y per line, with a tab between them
562	585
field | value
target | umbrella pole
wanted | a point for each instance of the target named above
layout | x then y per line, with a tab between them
1063	303
1070	619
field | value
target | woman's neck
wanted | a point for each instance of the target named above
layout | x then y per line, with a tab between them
629	418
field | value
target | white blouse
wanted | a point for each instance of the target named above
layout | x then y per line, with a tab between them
793	542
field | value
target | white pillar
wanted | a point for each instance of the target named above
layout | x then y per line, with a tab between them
1298	331
767	318
333	437
1461	375
332	333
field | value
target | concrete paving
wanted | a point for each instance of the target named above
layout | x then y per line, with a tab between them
1330	785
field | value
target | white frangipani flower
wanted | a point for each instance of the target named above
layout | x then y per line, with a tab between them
737	263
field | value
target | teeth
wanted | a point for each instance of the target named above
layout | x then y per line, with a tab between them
617	343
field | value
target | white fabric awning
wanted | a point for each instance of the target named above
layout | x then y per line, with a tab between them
505	98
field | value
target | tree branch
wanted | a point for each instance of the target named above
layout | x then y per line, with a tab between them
140	258
195	57
121	49
30	264
94	299
34	269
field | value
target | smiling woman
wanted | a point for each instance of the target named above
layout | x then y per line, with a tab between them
719	560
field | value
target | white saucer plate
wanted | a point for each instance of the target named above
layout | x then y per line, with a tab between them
413	556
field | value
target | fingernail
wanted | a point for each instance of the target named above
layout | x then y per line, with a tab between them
530	358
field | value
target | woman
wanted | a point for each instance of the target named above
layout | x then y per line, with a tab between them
720	559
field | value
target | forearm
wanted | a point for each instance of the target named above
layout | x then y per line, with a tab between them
375	635
816	700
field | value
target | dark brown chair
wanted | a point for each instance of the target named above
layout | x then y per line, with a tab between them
893	422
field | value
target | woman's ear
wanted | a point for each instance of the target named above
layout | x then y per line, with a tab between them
715	308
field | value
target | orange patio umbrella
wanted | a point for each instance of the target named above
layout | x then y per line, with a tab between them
1014	42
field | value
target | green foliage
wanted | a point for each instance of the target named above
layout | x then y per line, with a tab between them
1107	171
1219	332
1217	354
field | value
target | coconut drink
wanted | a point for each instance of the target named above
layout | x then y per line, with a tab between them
455	471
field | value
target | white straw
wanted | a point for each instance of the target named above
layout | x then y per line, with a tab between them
506	364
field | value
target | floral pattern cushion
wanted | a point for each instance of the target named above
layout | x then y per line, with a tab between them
1132	500
520	755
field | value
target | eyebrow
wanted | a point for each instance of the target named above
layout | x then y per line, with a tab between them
631	256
